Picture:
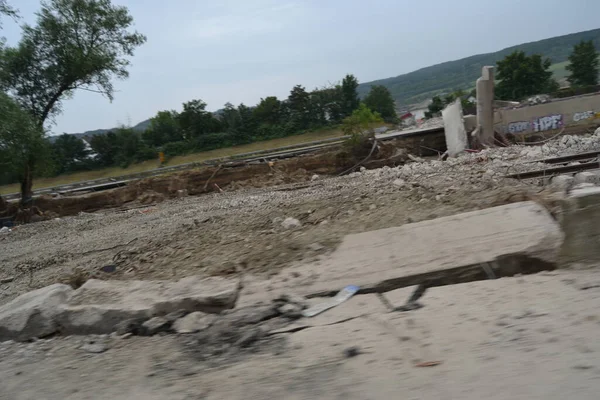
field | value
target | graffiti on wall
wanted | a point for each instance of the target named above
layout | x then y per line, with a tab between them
583	115
547	123
518	126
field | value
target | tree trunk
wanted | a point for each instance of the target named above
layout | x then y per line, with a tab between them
26	187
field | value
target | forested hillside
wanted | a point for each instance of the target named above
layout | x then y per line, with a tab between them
461	74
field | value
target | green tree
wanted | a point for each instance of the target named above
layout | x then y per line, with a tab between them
22	144
299	107
583	65
75	44
380	99
230	119
164	128
105	148
69	151
435	108
196	121
521	76
350	100
268	111
247	123
362	121
7	10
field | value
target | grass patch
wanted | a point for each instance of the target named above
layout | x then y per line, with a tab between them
195	157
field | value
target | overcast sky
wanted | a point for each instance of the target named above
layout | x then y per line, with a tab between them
242	50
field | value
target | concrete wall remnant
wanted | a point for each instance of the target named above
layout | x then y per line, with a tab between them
485	106
548	123
454	129
572	112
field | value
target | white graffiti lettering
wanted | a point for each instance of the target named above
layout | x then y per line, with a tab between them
547	123
580	116
518	127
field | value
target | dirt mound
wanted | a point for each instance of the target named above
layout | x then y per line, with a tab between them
222	178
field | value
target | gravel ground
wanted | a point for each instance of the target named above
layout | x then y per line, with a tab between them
525	337
221	234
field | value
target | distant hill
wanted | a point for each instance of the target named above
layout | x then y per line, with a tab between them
424	83
142	126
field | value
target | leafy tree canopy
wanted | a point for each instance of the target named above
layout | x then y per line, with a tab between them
583	65
380	100
521	76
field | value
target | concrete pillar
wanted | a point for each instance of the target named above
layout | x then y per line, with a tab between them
580	221
485	107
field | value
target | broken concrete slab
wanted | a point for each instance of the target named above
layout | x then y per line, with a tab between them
99	306
194	322
454	129
33	314
516	238
580	220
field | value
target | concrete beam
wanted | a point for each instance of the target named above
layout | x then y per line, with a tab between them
515	238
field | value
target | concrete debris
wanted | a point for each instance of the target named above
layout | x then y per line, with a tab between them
155	325
454	129
587	177
98	306
579	221
194	322
101	307
399	183
33	314
517	238
561	183
94	347
291	223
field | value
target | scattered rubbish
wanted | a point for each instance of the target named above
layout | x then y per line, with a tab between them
7	280
148	210
109	268
5	230
428	364
352	351
343	295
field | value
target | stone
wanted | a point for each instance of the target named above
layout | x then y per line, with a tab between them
580	220
94	347
129	326
561	183
316	247
33	314
194	322
516	237
587	177
291	223
155	325
315	177
399	183
291	311
99	306
454	129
